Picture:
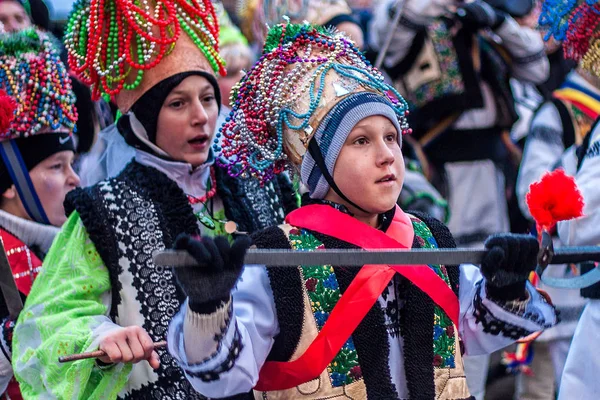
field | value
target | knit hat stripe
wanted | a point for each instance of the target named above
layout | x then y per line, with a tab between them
334	130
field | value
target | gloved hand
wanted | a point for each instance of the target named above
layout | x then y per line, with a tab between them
508	263
209	284
479	14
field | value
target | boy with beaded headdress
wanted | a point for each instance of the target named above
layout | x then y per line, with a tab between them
100	288
575	23
379	332
36	153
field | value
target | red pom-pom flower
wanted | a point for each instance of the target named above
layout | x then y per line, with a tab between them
8	105
555	197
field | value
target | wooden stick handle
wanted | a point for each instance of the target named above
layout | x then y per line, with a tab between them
98	353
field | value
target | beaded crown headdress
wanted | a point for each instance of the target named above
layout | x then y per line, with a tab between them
303	73
31	73
575	23
122	48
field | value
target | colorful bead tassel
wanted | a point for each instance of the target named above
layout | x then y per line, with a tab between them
575	23
112	42
31	72
295	62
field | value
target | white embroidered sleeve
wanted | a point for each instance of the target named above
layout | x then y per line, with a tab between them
487	325
584	231
416	14
525	45
543	151
222	353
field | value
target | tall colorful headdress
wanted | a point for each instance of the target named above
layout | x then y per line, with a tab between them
575	23
122	48
281	103
38	109
31	72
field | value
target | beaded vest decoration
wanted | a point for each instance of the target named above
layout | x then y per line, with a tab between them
575	23
303	73
323	293
113	44
31	72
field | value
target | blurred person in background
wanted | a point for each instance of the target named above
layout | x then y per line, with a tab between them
568	121
327	13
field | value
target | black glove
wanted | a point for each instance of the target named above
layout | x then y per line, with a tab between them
508	263
209	284
479	14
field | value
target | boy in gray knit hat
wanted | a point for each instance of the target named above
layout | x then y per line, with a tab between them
380	332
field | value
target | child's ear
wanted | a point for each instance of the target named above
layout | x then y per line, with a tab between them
10	193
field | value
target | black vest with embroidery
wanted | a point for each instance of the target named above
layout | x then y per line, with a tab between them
142	211
370	338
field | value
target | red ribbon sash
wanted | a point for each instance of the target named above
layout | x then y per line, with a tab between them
360	296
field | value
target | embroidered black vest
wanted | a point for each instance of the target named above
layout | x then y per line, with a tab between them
370	338
142	211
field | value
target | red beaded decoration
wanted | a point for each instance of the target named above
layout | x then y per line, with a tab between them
109	40
8	106
31	72
292	70
583	24
209	195
575	23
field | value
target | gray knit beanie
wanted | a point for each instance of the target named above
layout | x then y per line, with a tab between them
333	131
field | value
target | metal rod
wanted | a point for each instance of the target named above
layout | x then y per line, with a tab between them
390	36
358	257
97	354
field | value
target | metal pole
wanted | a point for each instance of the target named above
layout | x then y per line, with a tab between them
390	36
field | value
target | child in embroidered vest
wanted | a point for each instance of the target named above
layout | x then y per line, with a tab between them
37	153
316	332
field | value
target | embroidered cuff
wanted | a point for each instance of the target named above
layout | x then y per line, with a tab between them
205	345
513	319
203	332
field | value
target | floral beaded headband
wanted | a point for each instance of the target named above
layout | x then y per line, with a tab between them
575	23
31	72
114	44
302	74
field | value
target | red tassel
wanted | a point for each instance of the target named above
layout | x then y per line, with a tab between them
8	105
554	198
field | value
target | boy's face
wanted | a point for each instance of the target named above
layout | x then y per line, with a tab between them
370	167
187	119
